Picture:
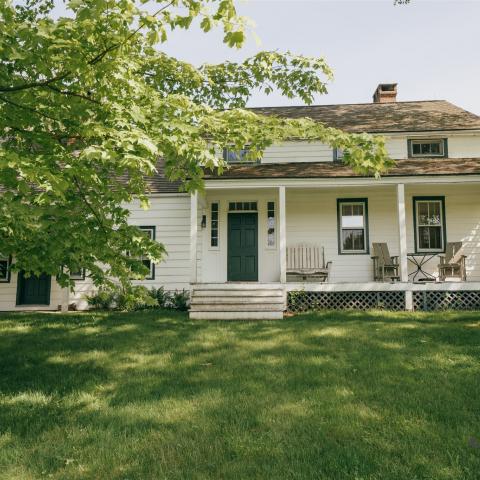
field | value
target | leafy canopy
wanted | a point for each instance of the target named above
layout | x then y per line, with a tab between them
89	102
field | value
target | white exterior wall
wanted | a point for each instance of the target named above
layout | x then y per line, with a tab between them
464	146
214	260
462	216
170	215
312	219
459	146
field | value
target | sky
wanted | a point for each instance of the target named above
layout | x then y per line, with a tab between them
429	47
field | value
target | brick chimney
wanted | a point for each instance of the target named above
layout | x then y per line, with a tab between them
385	93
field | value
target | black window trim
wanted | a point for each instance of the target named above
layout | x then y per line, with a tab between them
341	201
9	263
336	157
440	198
153	229
80	277
426	140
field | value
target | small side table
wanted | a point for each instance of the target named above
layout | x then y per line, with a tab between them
419	260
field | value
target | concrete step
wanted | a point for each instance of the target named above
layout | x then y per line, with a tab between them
238	293
219	315
237	286
237	299
237	307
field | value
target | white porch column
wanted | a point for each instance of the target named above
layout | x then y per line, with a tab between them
193	236
402	230
282	233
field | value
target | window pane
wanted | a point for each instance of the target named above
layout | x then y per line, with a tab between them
346	210
3	269
429	213
353	240
430	238
435	237
354	217
435	148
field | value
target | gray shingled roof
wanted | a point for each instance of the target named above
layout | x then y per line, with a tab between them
402	168
431	115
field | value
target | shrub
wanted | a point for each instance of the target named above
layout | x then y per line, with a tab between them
163	297
180	300
102	299
135	298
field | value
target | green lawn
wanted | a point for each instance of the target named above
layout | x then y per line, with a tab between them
153	395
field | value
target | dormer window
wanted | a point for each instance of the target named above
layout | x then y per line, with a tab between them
436	147
235	156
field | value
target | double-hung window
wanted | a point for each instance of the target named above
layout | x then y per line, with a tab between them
4	270
436	147
338	155
429	216
235	156
352	225
78	275
150	232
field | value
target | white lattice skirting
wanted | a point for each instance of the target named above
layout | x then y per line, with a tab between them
438	300
303	301
425	300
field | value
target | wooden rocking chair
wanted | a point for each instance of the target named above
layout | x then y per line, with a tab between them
384	266
452	264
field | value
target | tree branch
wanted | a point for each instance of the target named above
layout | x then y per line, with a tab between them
29	109
72	94
93	61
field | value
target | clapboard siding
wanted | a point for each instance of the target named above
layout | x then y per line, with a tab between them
459	146
319	152
171	217
463	146
311	217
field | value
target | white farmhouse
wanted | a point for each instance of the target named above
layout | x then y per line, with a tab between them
300	227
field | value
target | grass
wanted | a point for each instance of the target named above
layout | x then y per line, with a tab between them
318	396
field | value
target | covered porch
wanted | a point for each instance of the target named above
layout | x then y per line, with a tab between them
290	212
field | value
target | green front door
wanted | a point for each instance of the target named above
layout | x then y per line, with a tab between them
33	290
242	247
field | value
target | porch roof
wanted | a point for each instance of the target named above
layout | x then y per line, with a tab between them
403	168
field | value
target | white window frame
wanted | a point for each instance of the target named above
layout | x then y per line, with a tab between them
209	223
441	202
415	141
354	201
